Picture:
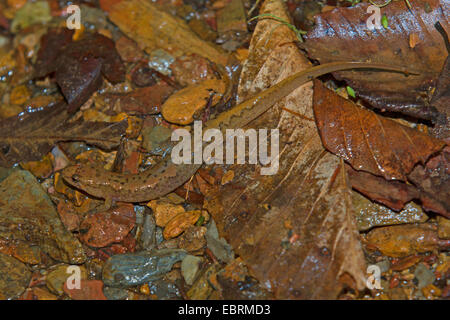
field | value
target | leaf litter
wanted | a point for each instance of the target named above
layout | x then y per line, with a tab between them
363	177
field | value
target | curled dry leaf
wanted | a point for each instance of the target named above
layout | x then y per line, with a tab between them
343	34
308	259
368	141
32	134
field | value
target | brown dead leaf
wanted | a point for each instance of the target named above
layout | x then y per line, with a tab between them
396	194
342	34
368	141
32	134
433	181
310	188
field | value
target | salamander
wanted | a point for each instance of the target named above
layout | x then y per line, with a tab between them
166	176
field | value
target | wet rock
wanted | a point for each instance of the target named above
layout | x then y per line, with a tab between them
89	290
57	277
384	265
186	104
24	203
202	29
405	263
424	275
148	235
190	267
164	211
31	13
218	246
129	50
370	214
202	287
37	293
14	277
103	228
237	284
144	76
191	69
403	240
232	18
159	236
193	239
161	60
141	101
163	289
443	227
131	269
156	140
115	293
21	251
180	223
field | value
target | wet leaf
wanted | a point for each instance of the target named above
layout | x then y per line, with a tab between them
368	141
441	100
433	181
307	259
32	134
343	35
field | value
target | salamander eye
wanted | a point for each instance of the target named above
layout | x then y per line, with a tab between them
76	178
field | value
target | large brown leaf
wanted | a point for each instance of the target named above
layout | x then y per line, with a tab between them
342	34
33	133
295	230
368	141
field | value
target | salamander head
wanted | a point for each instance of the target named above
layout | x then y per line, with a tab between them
79	176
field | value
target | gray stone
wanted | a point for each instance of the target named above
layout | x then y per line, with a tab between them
24	203
190	267
424	275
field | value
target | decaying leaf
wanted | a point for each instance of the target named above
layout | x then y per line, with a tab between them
368	141
32	134
343	34
433	181
441	100
396	194
79	65
295	230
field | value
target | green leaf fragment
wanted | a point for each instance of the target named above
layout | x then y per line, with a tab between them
351	92
384	22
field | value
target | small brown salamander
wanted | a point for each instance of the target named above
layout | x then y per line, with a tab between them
167	176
